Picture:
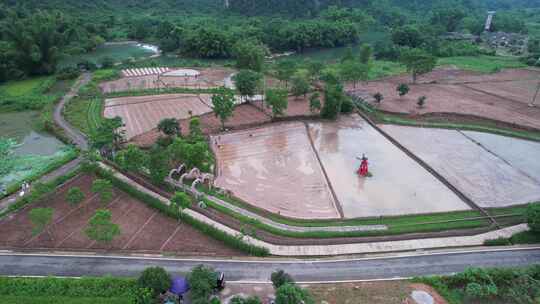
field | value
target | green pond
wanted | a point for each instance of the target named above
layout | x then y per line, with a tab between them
31	152
118	51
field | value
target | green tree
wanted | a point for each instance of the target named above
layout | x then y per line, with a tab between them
103	188
314	68
180	201
300	83
40	218
292	294
280	278
203	281
169	126
315	102
402	89
223	105
158	164
249	300
155	278
285	70
277	100
417	61
247	82
352	71
132	159
100	227
196	154
366	52
195	131
333	98
533	217
250	55
75	195
408	36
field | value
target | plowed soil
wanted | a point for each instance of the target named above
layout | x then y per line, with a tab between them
143	229
502	96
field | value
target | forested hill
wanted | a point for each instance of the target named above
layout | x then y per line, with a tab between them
292	8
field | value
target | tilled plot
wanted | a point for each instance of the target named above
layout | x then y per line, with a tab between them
243	115
276	169
143	113
11	233
208	78
501	96
487	178
143	229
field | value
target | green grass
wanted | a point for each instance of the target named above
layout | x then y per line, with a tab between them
28	94
381	69
63	300
483	64
84	114
24	87
526	237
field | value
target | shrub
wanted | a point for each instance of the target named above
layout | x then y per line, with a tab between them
378	97
292	294
202	281
497	242
280	277
100	227
347	106
533	217
75	195
421	101
40	218
402	89
104	189
155	278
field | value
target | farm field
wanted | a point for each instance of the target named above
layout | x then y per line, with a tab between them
274	168
143	229
143	113
502	96
243	115
208	78
398	186
476	163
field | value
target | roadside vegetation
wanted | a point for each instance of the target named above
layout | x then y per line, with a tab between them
496	285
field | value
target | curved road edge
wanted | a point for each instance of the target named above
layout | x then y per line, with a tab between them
385	267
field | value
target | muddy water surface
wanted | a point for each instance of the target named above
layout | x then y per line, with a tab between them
398	185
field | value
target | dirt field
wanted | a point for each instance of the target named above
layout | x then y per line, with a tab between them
398	186
244	115
274	168
492	171
143	229
141	114
501	96
209	78
390	292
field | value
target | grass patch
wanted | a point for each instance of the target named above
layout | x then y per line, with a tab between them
483	64
84	114
28	94
63	300
396	224
382	68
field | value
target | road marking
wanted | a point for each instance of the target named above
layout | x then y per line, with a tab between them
299	261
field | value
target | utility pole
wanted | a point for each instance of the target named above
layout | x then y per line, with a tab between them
533	102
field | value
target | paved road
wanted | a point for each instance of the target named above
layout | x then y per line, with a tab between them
259	271
75	135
